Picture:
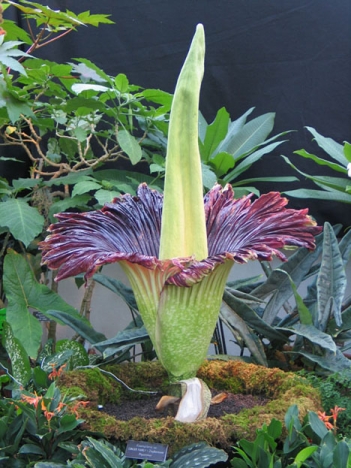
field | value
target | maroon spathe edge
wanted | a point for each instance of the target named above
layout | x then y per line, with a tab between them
129	228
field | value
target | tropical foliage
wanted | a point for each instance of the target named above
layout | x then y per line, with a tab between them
315	328
333	188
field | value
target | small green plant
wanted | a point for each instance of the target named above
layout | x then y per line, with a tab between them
334	390
33	427
308	445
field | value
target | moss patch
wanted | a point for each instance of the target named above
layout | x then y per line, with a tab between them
283	389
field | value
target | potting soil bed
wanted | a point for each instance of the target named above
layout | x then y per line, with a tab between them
146	407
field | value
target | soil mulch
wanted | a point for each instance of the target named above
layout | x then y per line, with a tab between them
145	407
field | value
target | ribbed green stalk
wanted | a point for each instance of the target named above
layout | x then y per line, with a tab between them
183	229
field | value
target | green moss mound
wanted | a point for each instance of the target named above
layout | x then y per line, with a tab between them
282	388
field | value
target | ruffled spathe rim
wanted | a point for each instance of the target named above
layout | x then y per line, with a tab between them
128	229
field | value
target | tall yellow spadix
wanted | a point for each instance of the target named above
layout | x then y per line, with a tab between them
183	228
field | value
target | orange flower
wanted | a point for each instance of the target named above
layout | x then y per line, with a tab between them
56	372
79	404
335	412
32	400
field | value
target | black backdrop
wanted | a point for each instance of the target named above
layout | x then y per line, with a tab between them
287	56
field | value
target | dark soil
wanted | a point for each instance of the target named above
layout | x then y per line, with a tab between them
145	407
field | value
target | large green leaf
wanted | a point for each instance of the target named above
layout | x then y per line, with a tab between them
321	161
251	318
238	325
80	326
334	329
20	365
312	334
198	455
249	160
215	133
297	267
23	293
333	362
252	134
125	338
118	288
330	146
332	195
129	145
23	221
331	282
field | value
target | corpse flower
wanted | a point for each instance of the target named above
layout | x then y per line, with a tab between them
177	249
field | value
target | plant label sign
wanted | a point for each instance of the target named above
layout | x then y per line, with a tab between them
146	451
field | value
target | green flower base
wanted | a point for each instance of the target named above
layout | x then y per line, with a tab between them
283	389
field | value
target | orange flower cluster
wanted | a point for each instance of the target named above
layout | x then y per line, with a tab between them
36	400
55	373
334	416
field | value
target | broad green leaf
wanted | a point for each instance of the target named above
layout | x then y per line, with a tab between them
20	365
129	145
15	107
264	179
198	455
222	162
334	330
347	151
317	425
79	325
312	334
333	362
14	32
332	195
118	288
331	281
215	133
24	222
111	459
251	318
78	102
245	164
341	455
234	128
69	179
297	267
202	128
105	196
159	97
31	449
304	454
252	134
208	176
127	337
93	20
21	184
304	314
321	161
8	50
79	357
23	293
236	323
118	177
334	149
80	201
85	186
122	83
